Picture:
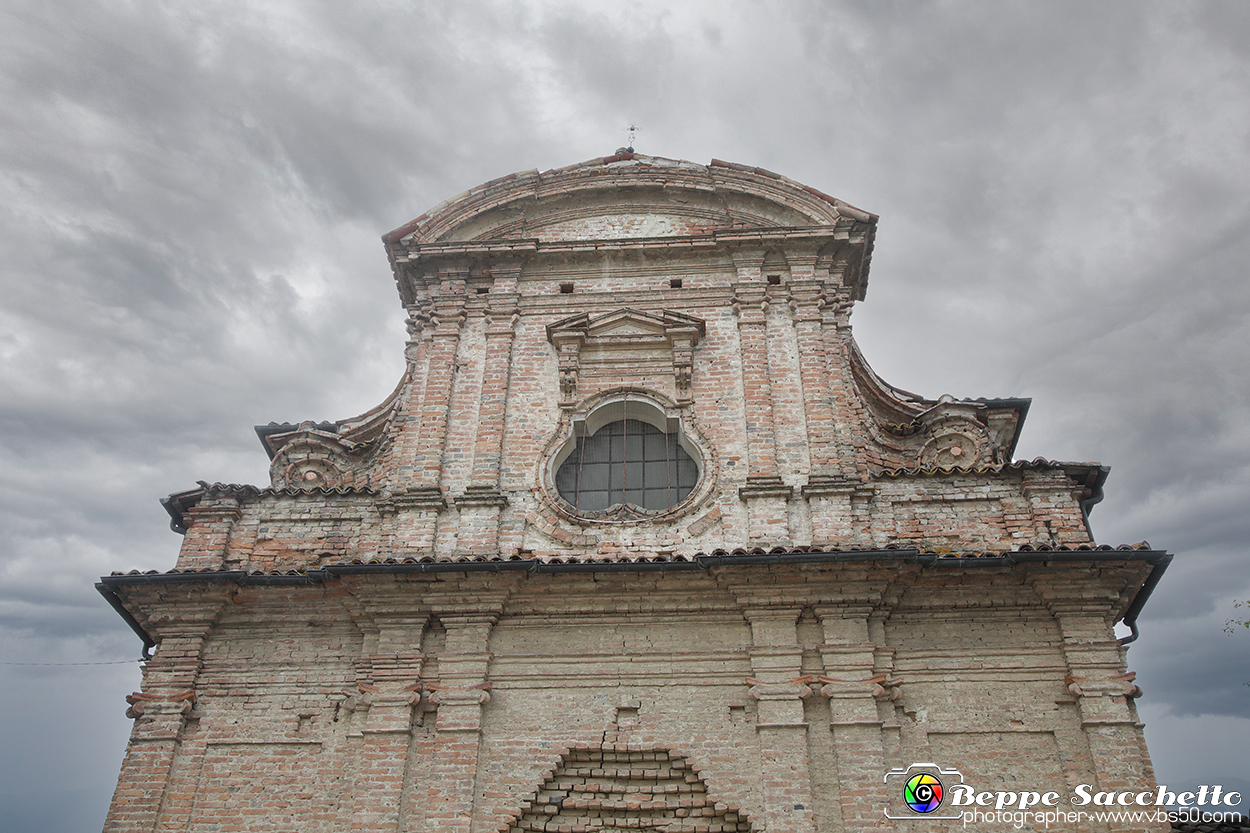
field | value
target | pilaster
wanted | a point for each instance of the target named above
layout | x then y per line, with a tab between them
808	299
832	502
853	685
460	693
446	316
207	539
779	688
849	415
1054	501
764	493
410	519
389	685
750	301
1084	605
483	500
145	798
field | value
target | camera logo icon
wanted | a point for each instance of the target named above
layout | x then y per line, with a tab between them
918	791
923	793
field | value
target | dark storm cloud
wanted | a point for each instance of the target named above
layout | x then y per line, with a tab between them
1191	664
191	198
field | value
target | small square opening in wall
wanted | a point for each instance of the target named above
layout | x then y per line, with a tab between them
675	283
566	288
774	280
482	290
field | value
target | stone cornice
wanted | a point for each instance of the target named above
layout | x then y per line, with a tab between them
729	240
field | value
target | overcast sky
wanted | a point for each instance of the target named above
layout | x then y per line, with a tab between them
191	199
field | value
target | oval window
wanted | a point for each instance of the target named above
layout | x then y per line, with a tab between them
627	461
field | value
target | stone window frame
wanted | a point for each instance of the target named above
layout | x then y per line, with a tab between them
678	332
612	406
629	459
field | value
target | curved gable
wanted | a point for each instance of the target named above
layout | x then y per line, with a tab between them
626	196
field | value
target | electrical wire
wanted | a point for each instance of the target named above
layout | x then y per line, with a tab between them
109	662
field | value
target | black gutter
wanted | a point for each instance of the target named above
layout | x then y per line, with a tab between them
176	522
1158	559
907	555
1095	497
523	564
1139	601
177	503
701	562
110	596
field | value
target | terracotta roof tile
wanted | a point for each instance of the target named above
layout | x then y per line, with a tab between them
660	558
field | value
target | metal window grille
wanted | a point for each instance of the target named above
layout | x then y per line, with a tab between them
627	461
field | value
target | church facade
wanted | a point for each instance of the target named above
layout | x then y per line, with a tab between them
639	541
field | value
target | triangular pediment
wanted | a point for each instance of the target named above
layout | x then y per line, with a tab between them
625	328
626	322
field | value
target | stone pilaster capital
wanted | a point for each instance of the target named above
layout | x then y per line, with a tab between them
486	616
861	605
389	694
179	617
1115	685
505	272
451	272
825	485
880	687
474	695
446	319
215	509
807	298
750	301
481	495
424	498
801	254
755	611
748	261
1073	595
502	313
173	703
796	688
762	486
395	667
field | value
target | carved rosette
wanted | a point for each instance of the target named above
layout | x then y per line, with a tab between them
954	439
951	449
311	459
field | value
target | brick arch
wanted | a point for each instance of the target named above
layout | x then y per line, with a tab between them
606	788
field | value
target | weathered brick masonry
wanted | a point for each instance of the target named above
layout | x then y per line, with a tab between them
467	610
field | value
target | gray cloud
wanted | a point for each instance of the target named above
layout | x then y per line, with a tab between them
191	199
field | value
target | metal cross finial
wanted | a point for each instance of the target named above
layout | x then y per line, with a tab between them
632	130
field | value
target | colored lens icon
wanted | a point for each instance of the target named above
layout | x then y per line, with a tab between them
923	793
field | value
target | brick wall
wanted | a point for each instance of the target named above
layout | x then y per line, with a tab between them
713	697
410	628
